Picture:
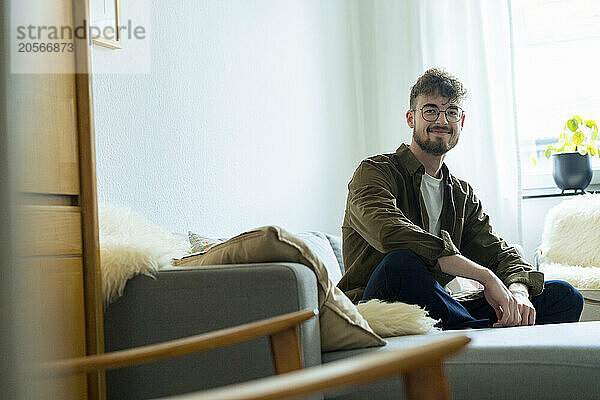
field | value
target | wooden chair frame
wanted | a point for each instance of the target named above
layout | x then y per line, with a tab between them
421	366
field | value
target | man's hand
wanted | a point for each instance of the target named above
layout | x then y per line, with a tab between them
521	295
503	301
512	306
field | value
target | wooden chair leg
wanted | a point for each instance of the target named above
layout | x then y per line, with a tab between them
286	350
285	346
427	383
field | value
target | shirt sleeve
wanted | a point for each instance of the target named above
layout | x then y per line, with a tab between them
373	213
481	244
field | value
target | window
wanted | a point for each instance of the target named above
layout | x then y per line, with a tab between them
557	75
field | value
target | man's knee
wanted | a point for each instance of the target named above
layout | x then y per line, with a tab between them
403	257
385	283
405	262
401	276
566	293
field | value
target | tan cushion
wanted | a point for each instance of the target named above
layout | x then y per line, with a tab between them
342	326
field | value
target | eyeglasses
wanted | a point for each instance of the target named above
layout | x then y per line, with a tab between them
432	113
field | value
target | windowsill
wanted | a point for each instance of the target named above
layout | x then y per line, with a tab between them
542	185
556	192
538	185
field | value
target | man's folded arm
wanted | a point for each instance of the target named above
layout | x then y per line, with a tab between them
481	244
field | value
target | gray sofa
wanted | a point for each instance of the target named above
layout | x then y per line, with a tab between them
539	362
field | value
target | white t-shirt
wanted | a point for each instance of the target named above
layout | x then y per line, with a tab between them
432	190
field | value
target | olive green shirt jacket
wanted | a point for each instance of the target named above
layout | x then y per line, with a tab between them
385	211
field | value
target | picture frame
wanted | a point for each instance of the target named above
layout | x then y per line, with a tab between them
105	20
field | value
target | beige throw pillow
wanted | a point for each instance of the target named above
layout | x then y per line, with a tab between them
342	326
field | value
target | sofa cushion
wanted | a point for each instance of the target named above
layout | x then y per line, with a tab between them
342	326
560	361
201	243
320	243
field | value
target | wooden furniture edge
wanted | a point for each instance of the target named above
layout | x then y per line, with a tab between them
88	199
179	347
339	374
286	350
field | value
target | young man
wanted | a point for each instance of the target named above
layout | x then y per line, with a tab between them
410	227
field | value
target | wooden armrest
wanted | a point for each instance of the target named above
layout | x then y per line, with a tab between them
421	367
282	330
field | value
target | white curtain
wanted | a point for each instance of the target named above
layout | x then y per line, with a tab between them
395	41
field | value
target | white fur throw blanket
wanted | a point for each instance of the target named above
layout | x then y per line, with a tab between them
572	232
579	277
571	242
131	245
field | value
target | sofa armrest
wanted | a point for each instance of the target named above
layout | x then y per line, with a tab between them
185	301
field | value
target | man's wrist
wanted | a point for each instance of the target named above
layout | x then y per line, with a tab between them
518	287
486	277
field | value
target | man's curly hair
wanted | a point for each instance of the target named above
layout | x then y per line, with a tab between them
436	81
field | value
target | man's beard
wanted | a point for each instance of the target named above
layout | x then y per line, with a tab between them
435	147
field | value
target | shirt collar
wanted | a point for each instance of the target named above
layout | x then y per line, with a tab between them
412	164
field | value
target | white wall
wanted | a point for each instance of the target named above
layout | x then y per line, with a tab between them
252	113
247	118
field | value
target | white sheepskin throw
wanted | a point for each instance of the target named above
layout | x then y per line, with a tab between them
131	245
572	232
579	277
396	319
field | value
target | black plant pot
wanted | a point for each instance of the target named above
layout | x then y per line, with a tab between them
571	170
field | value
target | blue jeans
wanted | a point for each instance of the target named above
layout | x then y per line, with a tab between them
403	276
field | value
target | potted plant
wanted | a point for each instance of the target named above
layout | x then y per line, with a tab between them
571	167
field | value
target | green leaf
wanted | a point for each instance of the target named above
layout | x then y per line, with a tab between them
578	138
591	149
578	118
549	151
592	125
533	160
572	124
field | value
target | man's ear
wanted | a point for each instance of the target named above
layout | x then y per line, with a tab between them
410	119
462	120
